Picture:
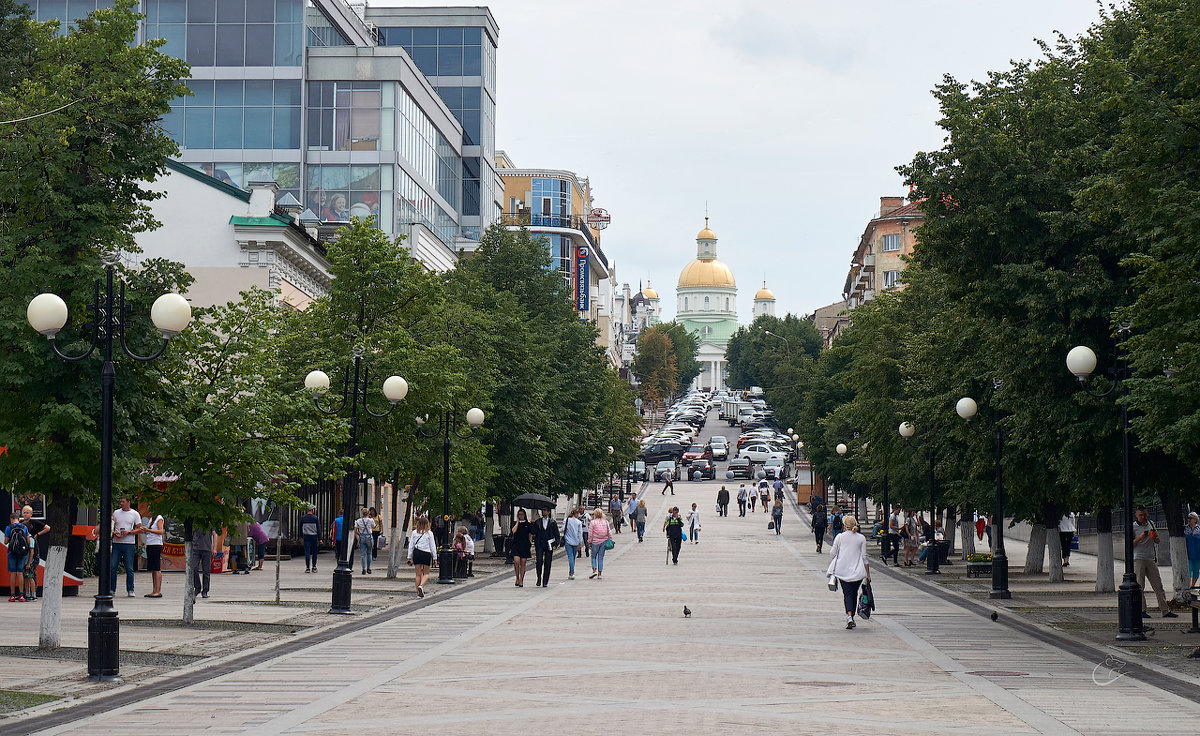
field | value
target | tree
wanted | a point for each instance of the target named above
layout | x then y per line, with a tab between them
685	347
79	147
243	428
655	365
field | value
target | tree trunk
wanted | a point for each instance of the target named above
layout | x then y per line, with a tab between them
189	575
51	629
279	551
1106	580
1034	556
1054	553
1173	508
951	528
967	529
489	527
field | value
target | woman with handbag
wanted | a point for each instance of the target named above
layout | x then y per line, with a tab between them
600	537
421	549
522	545
848	565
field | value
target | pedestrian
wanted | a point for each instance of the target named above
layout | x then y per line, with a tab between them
835	522
820	522
764	495
752	497
364	525
258	538
376	530
848	564
673	527
895	526
1191	537
693	524
16	536
641	519
339	550
1066	534
669	485
1145	561
202	552
778	490
310	534
545	539
911	535
617	510
153	541
723	502
572	539
741	498
632	511
777	515
238	537
466	560
522	538
126	525
599	536
422	546
38	545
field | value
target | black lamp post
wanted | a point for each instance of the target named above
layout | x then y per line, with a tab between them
47	313
967	409
1081	361
786	344
446	427
354	395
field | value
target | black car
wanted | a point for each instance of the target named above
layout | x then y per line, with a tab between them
741	467
663	451
703	468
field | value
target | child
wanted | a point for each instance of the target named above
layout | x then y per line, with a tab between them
16	565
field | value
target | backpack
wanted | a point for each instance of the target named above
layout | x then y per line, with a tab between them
820	518
837	523
18	543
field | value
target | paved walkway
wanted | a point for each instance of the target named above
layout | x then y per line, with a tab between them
765	652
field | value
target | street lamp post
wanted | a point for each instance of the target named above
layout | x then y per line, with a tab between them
967	409
841	450
786	344
47	313
447	426
1081	361
354	395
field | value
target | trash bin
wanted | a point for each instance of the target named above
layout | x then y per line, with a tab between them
943	552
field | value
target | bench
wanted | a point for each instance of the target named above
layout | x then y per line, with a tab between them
1195	604
979	569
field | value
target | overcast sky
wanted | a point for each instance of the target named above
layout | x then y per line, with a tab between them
787	118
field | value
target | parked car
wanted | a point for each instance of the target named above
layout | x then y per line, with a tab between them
664	467
637	470
702	467
741	467
775	468
660	451
698	452
761	453
720	451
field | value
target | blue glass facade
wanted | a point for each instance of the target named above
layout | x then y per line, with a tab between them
229	32
235	113
65	11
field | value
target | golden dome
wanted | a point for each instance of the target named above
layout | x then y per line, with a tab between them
706	272
706	234
764	293
649	292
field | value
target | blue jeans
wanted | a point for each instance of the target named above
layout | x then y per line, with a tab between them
311	543
598	557
641	527
366	545
571	550
127	552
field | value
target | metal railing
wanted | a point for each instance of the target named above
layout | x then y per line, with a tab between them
569	222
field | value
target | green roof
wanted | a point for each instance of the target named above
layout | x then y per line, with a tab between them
272	220
204	178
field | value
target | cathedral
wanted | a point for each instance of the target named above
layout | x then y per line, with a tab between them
706	305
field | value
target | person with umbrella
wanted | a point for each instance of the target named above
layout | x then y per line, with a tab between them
522	537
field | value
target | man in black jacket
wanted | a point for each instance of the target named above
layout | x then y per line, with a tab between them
723	501
545	537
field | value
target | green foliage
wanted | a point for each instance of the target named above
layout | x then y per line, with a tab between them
656	365
685	346
73	173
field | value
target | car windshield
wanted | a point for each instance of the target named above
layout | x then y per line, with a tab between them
696	448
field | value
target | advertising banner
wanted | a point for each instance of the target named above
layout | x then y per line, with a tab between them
581	279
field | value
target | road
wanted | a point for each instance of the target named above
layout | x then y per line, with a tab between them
765	652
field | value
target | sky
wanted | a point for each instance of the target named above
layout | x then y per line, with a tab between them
785	120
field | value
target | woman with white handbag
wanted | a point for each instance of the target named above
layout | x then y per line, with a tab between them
848	566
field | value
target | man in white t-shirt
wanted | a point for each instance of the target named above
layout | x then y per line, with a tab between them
126	525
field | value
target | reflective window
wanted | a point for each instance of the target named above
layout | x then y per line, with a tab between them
286	175
65	11
551	206
890	278
259	114
350	116
706	302
228	32
337	192
440	52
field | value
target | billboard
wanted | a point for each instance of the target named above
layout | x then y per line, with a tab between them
581	279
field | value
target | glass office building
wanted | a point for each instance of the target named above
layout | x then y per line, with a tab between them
329	102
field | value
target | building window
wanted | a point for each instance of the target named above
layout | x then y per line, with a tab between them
229	32
335	193
286	175
551	202
890	278
891	243
726	304
352	116
707	330
237	114
706	302
685	306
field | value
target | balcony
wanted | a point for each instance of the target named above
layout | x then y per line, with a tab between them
567	222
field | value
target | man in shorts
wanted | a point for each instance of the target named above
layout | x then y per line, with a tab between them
16	565
37	541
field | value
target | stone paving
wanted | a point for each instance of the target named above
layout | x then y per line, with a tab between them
764	652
